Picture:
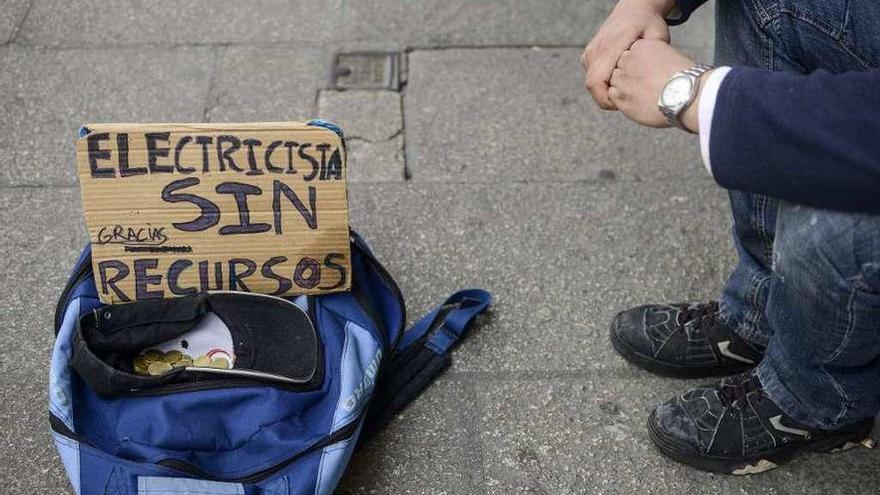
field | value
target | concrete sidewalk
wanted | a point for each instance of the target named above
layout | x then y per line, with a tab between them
488	167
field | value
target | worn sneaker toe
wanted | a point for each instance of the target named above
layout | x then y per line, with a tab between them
628	332
670	425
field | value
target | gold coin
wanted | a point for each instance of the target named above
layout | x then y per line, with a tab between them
202	361
172	356
220	362
158	368
179	364
153	355
185	361
140	363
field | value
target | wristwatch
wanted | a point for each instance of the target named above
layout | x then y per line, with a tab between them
679	92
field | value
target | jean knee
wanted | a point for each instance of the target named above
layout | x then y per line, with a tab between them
827	264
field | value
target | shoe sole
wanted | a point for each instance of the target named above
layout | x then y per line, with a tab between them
859	436
670	370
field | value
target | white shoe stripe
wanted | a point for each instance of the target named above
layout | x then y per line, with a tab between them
776	421
724	347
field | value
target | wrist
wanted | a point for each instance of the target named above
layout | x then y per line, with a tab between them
690	117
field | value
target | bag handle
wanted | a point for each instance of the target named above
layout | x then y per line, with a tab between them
449	321
422	355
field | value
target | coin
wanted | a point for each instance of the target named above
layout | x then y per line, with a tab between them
158	368
140	364
202	361
172	356
220	362
153	355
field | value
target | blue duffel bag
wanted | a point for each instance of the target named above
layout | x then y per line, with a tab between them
277	407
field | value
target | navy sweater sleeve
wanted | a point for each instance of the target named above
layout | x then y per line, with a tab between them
807	139
685	9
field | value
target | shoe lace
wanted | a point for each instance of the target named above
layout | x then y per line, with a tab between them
701	314
734	389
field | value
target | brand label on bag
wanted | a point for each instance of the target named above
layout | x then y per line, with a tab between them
176	209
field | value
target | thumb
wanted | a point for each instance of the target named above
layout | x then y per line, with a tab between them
657	31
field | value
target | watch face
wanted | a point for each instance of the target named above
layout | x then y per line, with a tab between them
677	91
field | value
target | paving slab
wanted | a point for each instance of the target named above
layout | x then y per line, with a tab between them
426	23
373	125
11	15
425	450
522	114
561	259
46	239
45	95
43	236
369	115
698	31
259	83
413	24
132	22
31	465
587	435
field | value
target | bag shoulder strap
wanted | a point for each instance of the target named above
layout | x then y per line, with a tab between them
423	353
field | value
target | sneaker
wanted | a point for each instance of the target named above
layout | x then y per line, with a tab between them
735	428
682	340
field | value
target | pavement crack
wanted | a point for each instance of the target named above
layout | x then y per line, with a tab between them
20	24
362	139
219	52
407	173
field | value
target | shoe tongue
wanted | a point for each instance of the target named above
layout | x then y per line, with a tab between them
736	388
696	312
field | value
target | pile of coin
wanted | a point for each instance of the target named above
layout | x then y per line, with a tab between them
156	363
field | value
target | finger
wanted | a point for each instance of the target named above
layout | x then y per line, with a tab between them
614	95
602	62
615	78
623	60
599	91
597	80
659	31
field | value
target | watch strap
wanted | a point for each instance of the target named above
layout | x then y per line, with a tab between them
673	116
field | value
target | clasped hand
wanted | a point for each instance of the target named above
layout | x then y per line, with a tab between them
630	59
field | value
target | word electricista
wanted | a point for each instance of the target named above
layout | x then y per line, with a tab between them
221	153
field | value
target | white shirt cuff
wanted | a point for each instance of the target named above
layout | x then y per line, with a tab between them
707	109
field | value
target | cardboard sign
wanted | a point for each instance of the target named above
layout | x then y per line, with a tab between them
176	209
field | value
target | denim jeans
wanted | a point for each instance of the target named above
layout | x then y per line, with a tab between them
807	284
